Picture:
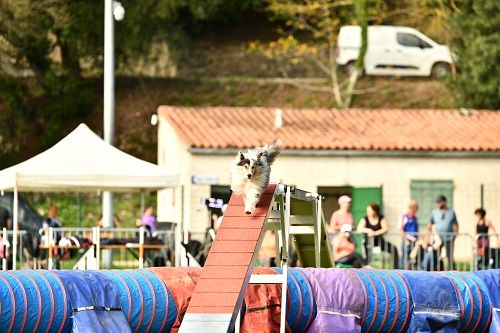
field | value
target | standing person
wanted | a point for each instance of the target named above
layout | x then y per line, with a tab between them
408	225
5	219
374	226
5	222
53	221
483	226
444	223
148	220
342	215
54	214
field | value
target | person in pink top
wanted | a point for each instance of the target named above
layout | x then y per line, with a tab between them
344	249
342	215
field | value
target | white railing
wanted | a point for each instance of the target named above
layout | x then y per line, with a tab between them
130	247
6	248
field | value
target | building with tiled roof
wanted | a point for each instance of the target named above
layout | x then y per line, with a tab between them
325	129
385	155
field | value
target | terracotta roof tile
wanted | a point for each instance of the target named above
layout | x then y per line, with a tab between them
326	129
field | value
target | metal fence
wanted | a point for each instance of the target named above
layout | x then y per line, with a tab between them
423	251
486	251
6	241
63	248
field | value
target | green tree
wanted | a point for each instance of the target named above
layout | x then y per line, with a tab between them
427	16
476	43
48	47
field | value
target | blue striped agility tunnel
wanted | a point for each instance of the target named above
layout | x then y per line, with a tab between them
475	305
491	280
31	300
145	300
387	301
301	306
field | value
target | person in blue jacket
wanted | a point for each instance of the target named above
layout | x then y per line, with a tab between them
408	225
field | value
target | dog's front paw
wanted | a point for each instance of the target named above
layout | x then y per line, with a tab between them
248	212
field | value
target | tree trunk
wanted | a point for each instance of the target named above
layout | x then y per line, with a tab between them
69	56
361	17
333	74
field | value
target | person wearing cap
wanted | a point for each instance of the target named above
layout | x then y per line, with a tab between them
344	248
342	215
444	222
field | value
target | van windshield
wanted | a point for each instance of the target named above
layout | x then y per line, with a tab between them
411	40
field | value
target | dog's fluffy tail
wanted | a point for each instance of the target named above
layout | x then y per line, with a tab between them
272	149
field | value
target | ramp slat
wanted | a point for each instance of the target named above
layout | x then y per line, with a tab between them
260	211
227	246
237	234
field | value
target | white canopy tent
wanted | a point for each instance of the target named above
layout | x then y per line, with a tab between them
82	162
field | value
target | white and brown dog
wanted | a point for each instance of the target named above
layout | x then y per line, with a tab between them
251	171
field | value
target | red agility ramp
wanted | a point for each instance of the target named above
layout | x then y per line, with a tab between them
218	295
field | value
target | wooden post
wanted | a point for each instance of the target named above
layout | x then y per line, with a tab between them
50	239
4	246
141	247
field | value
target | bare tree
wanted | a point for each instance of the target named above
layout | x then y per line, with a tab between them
311	33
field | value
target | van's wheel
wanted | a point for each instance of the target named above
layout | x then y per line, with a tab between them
440	70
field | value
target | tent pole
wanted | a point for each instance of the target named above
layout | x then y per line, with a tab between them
109	112
16	226
79	211
107	222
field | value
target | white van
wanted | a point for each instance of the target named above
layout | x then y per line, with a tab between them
394	50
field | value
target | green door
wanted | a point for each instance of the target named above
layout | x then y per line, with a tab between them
425	192
361	197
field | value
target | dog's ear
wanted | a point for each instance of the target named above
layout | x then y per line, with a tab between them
259	155
242	159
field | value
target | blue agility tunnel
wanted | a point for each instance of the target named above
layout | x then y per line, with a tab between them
32	300
388	304
95	306
474	301
301	306
435	300
146	302
491	280
85	301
